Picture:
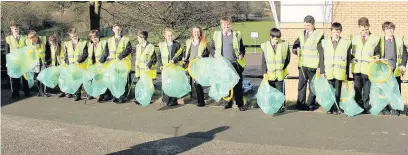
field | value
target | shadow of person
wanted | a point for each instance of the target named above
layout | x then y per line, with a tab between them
173	145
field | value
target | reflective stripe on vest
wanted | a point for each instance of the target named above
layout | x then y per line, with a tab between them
335	60
309	55
201	48
363	53
13	43
74	54
275	59
399	42
236	36
100	48
164	52
142	57
40	48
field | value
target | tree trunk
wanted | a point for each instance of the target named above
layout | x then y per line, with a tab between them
94	14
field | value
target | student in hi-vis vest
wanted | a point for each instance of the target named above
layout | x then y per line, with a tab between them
275	60
120	48
335	61
57	53
76	52
392	48
98	54
196	48
305	47
146	58
170	52
363	45
228	44
15	41
42	49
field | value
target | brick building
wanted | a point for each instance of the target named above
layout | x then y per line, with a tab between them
347	13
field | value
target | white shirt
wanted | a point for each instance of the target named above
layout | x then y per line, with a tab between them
337	40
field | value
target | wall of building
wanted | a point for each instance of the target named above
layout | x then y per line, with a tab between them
348	13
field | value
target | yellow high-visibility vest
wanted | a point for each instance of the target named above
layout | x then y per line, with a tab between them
74	54
363	53
399	42
14	43
335	60
142	57
275	59
308	54
98	51
116	50
236	37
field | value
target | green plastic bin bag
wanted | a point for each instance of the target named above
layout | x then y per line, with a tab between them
223	79
71	78
50	76
347	102
219	91
20	61
201	70
384	86
175	82
378	100
269	99
144	89
96	82
324	92
117	75
29	76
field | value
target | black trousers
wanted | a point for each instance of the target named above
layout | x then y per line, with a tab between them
40	86
16	86
238	92
306	77
199	91
362	88
169	100
337	85
78	92
279	86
